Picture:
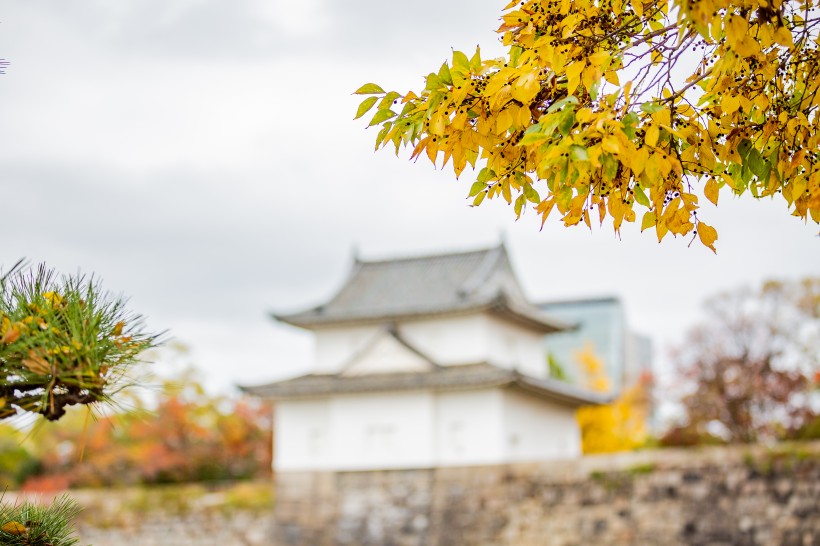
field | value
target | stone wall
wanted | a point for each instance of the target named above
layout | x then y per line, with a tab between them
715	496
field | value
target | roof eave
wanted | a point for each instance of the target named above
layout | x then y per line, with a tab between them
564	394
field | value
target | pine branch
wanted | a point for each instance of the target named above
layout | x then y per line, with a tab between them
31	524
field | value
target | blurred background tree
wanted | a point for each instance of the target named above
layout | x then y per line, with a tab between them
749	371
186	435
620	425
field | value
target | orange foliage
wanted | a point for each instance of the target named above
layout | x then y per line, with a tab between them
189	437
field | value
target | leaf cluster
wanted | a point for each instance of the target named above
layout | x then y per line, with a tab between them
63	341
29	524
610	107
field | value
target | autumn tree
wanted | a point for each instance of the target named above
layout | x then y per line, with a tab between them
619	425
748	368
620	108
188	435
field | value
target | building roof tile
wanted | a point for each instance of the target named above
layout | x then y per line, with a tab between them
385	290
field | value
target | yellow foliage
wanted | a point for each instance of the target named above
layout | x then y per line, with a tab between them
619	426
555	111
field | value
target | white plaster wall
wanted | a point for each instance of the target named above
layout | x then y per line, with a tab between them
536	429
512	346
460	339
386	355
335	346
469	428
390	430
384	430
302	435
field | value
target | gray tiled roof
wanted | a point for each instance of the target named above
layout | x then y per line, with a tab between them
471	376
376	291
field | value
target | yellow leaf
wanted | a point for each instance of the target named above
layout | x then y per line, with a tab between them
708	236
711	190
729	104
14	528
661	230
639	160
574	76
737	28
437	124
610	144
637	5
505	192
612	77
526	87
648	220
598	59
503	121
783	36
652	134
432	151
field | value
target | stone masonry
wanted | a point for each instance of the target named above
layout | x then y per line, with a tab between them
715	496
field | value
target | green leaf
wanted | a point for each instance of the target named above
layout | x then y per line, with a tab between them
531	194
388	99
610	166
365	106
557	105
519	204
460	62
369	89
381	116
433	82
651	107
743	148
640	196
485	175
758	165
475	61
746	176
515	53
532	138
563	197
479	198
593	90
578	153
476	187
382	134
566	121
444	74
631	119
628	124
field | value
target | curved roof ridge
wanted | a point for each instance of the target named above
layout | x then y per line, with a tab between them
480	274
425	257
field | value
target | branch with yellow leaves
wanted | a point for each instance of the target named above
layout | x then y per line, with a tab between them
595	107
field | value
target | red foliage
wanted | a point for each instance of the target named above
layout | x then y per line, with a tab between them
187	438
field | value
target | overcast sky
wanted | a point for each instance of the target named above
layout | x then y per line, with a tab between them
199	156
